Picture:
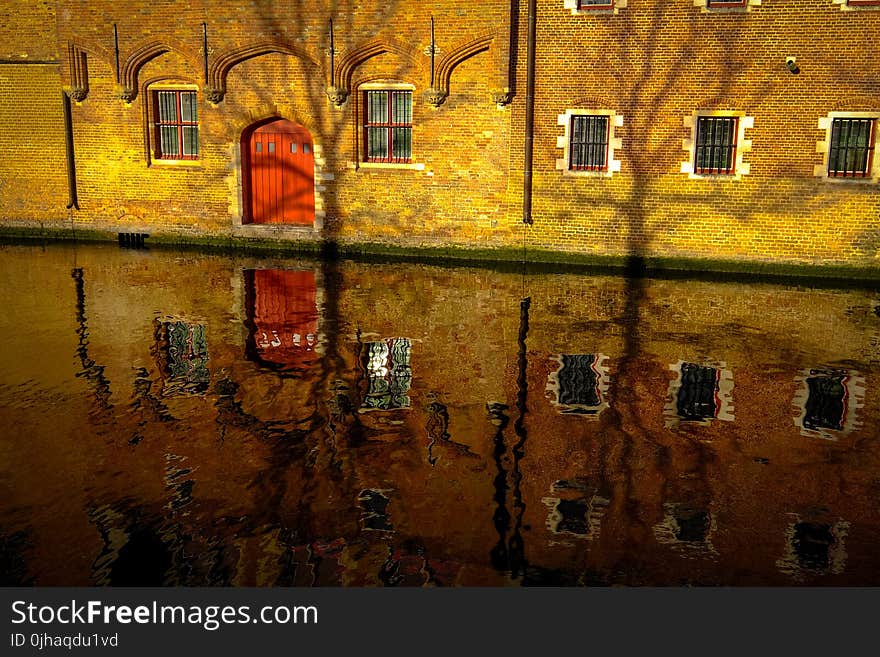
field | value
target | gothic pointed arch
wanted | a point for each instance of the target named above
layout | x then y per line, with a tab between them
220	66
128	76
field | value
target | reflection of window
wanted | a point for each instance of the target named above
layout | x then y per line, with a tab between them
812	543
374	507
700	393
685	527
388	125
177	125
697	396
183	351
828	401
575	508
389	376
579	385
815	547
692	525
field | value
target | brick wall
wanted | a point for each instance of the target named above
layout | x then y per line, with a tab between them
653	62
657	62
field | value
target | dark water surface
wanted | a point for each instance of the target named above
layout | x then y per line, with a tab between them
179	418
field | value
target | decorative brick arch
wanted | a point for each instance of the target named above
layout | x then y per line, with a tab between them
352	59
78	57
128	76
456	56
219	68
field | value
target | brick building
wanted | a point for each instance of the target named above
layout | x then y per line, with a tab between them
703	129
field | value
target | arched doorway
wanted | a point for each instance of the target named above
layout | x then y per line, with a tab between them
278	173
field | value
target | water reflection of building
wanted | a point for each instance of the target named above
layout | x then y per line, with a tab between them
282	318
828	400
181	350
700	393
580	385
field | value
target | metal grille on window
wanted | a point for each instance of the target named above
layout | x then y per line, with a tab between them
716	144
852	147
177	125
589	143
595	4
388	126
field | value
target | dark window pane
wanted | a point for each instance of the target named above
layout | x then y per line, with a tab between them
852	145
307	148
377	143
167	106
716	144
169	145
377	107
190	141
697	396
588	148
188	106
402	143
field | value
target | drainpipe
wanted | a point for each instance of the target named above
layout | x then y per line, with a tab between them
73	202
530	113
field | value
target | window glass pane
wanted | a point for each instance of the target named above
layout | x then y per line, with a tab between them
168	145
377	107
307	148
401	107
271	146
258	147
402	143
190	140
167	106
851	146
589	142
293	147
377	143
716	144
188	106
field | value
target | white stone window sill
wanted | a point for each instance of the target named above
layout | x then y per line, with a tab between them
413	166
186	164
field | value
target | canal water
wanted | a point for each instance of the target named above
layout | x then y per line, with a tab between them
176	418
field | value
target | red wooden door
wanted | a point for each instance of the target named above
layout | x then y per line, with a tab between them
281	174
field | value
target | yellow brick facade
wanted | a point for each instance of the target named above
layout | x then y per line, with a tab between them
652	64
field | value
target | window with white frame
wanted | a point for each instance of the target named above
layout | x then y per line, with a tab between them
726	5
848	148
594	6
388	125
588	142
717	144
857	5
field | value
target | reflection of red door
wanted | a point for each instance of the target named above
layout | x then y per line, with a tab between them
283	311
281	174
